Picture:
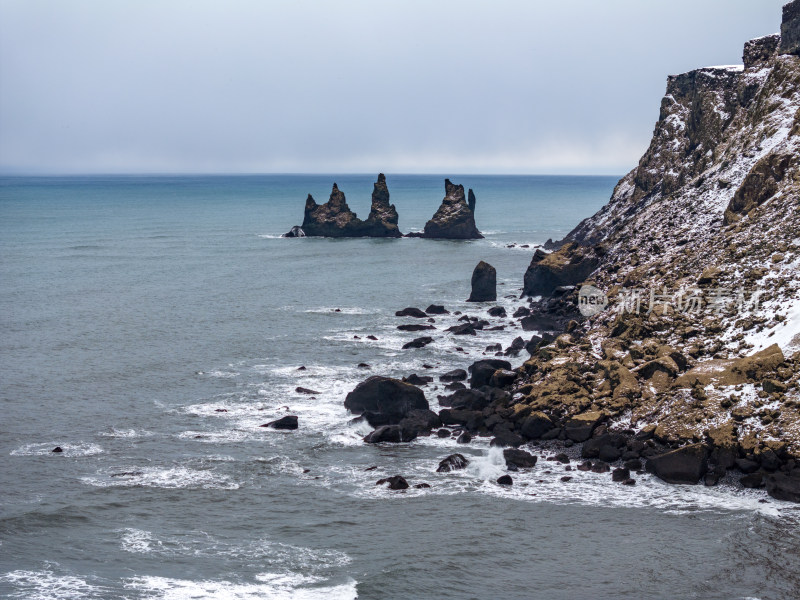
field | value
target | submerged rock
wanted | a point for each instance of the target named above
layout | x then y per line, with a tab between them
295	232
455	218
397	482
288	422
454	462
484	283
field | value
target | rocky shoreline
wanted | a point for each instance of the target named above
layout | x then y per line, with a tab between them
686	376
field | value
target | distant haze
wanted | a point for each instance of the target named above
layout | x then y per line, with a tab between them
396	86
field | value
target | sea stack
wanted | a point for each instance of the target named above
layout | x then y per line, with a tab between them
455	219
484	283
335	219
382	220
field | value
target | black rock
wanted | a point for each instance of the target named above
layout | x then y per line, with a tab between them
464	438
411	312
443	433
746	466
483	370
454	375
398	482
414	327
386	400
437	309
420	342
684	465
505	480
388	434
784	486
57	449
287	422
302	390
633	464
503	378
419	421
454	462
521	459
415	379
422	485
497	311
465	329
484	283
562	458
536	425
621	474
505	437
753	480
522	311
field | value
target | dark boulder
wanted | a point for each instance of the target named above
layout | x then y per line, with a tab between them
390	398
443	433
536	425
467	398
505	480
483	370
57	449
522	459
784	486
419	422
464	438
540	322
454	462
497	311
465	329
484	283
397	482
415	327
437	309
454	375
503	378
621	474
389	434
411	312
287	422
420	342
684	465
302	390
504	437
454	219
415	379
753	480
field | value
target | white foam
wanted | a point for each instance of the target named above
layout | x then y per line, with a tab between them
271	586
46	585
125	433
163	477
69	450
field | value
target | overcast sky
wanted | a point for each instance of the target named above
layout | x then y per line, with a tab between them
260	86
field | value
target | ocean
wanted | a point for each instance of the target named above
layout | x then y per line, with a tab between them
150	324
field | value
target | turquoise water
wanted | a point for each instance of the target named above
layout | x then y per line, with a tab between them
150	324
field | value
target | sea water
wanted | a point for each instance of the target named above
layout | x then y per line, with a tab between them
151	324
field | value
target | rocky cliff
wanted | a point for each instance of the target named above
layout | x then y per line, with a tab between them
697	255
335	219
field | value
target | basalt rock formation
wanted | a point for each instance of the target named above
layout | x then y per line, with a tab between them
455	218
335	219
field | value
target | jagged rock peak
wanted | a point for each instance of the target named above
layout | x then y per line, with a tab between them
382	216
455	218
335	219
471	200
